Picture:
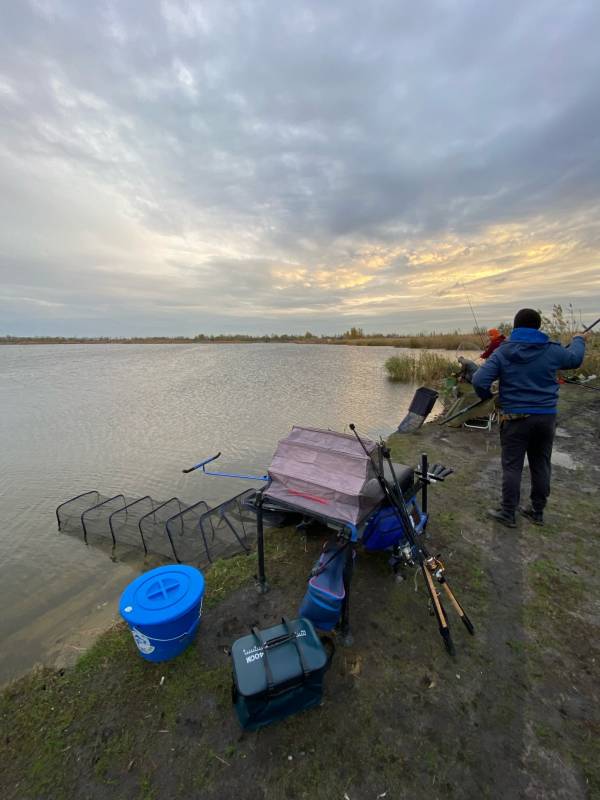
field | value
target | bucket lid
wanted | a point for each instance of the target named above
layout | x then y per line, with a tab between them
162	595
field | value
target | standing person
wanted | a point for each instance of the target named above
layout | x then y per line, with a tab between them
526	365
495	340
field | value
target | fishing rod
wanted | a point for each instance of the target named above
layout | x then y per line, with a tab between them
593	325
434	564
462	411
429	565
406	524
582	385
477	326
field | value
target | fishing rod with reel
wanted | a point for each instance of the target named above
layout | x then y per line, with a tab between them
434	564
431	566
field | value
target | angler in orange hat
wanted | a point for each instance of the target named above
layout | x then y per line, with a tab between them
496	339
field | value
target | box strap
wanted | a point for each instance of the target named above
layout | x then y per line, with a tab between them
267	644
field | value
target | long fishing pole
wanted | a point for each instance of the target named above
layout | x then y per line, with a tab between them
462	411
477	327
433	563
581	385
404	519
593	325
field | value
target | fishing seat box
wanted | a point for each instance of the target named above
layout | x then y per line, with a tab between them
277	672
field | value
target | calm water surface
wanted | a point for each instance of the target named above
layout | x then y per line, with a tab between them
127	419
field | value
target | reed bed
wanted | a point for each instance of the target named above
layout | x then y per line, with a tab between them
427	367
591	363
420	341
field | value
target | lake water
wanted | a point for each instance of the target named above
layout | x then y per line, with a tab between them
128	418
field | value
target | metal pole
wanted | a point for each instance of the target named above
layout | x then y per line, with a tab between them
424	471
462	411
347	575
261	581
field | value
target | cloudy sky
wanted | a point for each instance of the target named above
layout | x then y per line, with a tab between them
266	166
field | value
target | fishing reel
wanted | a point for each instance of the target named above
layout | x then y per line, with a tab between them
436	566
405	556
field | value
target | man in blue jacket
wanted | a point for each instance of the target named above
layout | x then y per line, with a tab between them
526	366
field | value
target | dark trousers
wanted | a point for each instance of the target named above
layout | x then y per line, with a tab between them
533	435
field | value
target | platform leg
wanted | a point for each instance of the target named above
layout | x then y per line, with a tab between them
424	471
261	580
344	625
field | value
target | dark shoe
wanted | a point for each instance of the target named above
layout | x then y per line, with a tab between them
503	517
537	517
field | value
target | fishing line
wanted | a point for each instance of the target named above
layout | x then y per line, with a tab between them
477	326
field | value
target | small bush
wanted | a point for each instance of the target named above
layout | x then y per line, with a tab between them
427	367
401	368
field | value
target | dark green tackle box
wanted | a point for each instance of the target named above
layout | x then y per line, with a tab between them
277	672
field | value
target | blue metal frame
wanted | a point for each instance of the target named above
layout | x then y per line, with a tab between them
202	466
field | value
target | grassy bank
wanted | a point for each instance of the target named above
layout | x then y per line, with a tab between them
515	714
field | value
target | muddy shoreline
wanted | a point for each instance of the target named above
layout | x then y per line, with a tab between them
514	715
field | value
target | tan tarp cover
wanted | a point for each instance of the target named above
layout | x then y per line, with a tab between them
326	473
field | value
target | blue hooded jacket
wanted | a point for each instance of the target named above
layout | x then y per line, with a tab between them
526	365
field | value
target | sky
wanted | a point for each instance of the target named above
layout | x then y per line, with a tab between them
262	166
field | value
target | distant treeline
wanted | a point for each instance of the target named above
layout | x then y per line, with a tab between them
354	336
560	324
94	340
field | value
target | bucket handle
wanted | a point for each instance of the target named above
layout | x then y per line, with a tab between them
173	638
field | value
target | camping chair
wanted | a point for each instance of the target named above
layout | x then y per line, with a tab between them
482	423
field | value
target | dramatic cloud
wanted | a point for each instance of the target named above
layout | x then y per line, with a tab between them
259	166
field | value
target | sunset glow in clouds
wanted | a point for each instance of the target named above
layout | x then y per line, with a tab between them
177	167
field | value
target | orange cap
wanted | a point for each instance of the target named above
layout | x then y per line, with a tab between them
494	333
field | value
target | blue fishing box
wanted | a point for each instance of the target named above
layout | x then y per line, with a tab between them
385	529
162	608
277	672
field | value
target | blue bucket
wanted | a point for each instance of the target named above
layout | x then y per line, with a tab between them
162	608
322	603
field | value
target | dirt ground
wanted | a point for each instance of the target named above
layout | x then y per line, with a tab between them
514	714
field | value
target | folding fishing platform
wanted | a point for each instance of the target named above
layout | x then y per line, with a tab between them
342	481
